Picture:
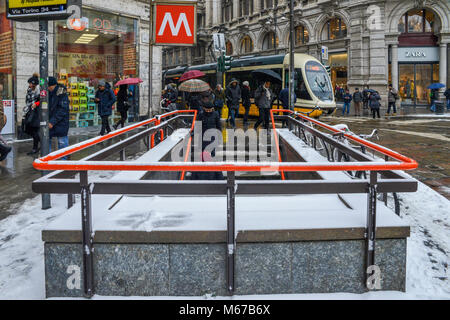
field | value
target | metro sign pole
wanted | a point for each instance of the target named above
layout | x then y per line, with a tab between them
173	23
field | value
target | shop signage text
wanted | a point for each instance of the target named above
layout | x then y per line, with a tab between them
425	54
175	24
36	9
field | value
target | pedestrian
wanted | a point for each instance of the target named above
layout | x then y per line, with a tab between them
219	100
357	100
209	119
285	101
105	98
366	94
233	94
4	148
433	98
347	101
374	103
216	175
246	103
264	98
122	105
58	107
447	96
194	101
392	99
31	121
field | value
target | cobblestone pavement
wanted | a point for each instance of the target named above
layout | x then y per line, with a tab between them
425	139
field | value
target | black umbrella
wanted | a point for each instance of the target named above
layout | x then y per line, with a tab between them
267	75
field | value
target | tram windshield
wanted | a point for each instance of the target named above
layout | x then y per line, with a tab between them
319	81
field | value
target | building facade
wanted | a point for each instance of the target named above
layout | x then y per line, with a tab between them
110	42
370	42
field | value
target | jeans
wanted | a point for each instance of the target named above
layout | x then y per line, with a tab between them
105	125
63	142
392	104
233	114
448	104
346	107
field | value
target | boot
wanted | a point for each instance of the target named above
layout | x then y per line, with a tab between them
4	150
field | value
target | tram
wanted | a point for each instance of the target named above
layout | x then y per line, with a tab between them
312	82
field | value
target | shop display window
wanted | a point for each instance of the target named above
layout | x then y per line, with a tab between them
103	46
6	54
414	80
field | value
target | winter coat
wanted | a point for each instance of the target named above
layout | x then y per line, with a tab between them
392	95
2	114
107	100
233	96
122	101
210	120
261	99
348	98
246	97
374	101
366	95
284	97
357	97
447	94
58	106
32	116
194	101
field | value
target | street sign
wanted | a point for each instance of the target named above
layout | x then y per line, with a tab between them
32	10
324	53
175	23
219	42
8	108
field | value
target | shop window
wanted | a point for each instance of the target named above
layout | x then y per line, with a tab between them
227	10
6	54
301	35
334	29
414	80
246	45
417	21
270	41
105	48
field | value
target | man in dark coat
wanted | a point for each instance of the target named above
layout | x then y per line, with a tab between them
105	99
233	94
374	103
447	96
31	121
246	102
58	106
357	99
284	98
264	98
210	119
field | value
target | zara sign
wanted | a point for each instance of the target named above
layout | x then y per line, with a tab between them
418	54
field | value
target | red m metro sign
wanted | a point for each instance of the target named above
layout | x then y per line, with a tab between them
175	23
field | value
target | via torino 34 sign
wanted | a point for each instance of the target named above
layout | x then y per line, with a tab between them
36	9
175	23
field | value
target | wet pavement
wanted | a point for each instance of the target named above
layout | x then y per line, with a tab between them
425	139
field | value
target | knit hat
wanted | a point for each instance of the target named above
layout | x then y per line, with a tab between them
52	81
33	80
101	83
208	105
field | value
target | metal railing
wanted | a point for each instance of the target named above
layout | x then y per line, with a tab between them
63	181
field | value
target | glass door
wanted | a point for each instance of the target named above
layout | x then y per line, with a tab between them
423	80
406	83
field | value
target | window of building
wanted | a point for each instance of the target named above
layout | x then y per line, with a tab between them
417	21
6	54
301	35
246	7
227	10
270	41
246	44
105	48
229	47
334	29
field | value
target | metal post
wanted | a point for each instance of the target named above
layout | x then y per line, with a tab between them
150	63
371	223
44	116
231	240
122	155
291	56
88	241
70	200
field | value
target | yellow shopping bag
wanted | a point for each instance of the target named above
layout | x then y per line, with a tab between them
225	112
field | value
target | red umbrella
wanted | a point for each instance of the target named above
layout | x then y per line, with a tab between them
129	81
193	74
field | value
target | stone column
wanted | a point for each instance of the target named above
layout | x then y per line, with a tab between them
443	65
394	65
236	8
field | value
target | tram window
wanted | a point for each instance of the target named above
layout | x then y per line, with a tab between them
319	81
299	83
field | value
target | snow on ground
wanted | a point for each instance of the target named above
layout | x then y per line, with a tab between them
22	250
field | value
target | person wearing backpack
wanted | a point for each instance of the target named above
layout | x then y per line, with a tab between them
392	99
374	103
357	99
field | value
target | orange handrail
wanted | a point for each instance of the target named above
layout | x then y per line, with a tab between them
48	163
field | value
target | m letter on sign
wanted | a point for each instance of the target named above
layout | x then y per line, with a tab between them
175	24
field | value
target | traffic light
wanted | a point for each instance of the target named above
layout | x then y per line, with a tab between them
328	68
227	62
220	64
